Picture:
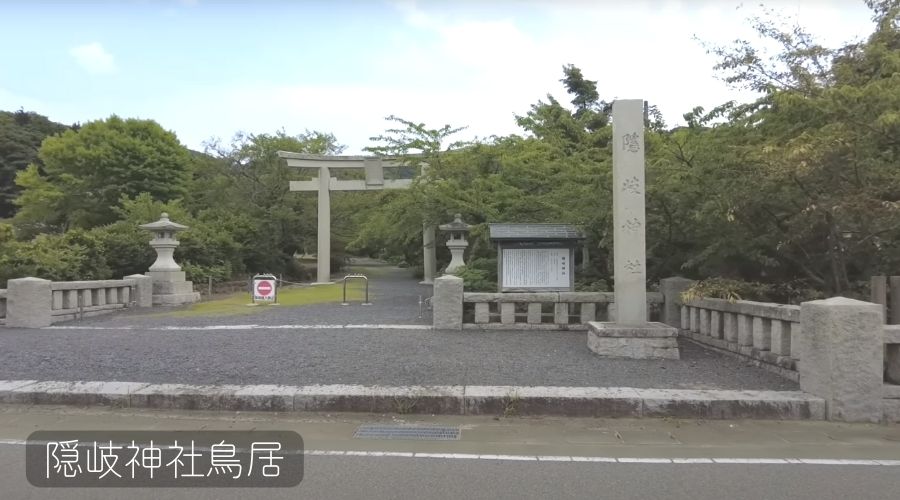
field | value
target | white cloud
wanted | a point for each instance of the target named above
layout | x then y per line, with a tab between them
457	68
633	49
94	58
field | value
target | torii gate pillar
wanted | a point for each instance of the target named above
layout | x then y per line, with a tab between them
323	236
429	255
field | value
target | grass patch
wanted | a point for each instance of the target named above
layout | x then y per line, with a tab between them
287	297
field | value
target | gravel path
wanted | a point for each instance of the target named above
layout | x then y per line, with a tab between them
394	294
357	356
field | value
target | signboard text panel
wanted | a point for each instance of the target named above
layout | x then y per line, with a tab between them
539	268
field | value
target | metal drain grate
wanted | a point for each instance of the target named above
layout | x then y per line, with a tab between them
431	433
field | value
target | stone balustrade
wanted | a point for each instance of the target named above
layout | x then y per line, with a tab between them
544	310
35	302
765	332
78	299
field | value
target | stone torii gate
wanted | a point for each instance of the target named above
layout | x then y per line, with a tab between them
374	181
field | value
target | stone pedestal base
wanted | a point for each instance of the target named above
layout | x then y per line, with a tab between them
176	299
172	292
650	341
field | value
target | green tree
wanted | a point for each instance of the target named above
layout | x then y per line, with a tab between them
21	134
84	173
416	139
819	147
392	227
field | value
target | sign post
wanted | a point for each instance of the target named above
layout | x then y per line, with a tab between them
264	288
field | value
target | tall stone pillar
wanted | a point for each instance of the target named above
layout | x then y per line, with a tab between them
323	252
629	248
631	335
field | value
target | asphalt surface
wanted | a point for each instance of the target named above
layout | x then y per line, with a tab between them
124	348
456	474
404	478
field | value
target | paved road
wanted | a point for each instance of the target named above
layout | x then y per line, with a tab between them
462	476
402	478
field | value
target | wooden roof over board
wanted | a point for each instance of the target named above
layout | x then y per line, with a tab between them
534	232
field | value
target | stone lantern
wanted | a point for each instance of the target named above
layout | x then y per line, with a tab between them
457	242
169	284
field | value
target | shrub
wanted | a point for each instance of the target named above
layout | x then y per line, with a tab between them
77	255
480	275
732	290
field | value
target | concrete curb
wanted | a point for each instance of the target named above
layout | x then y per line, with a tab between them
450	400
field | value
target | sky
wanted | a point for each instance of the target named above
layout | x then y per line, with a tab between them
207	69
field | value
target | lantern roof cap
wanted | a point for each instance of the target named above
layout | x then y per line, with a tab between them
163	224
456	225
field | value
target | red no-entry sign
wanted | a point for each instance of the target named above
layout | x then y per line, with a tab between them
264	288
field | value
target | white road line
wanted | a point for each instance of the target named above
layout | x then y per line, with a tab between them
594	459
825	461
568	458
755	461
246	327
621	460
250	327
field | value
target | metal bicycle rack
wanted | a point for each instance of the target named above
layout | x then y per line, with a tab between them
356	276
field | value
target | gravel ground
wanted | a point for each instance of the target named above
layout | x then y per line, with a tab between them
357	356
348	356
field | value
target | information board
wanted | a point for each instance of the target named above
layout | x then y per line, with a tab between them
537	268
